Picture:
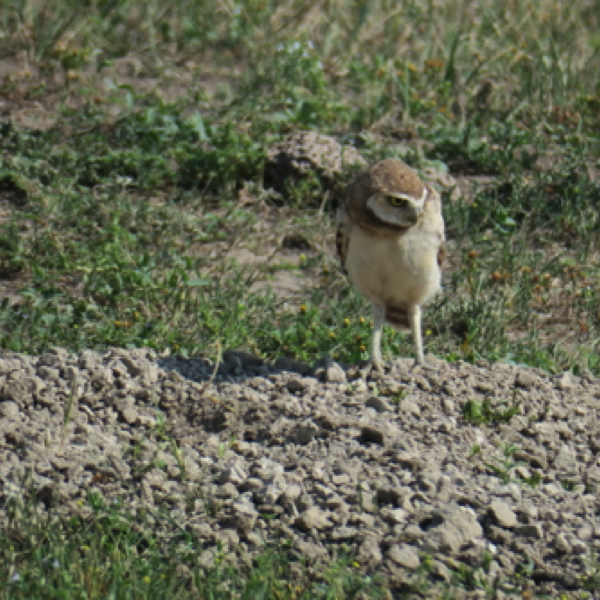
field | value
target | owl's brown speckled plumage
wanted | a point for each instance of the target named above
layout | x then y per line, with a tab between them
390	240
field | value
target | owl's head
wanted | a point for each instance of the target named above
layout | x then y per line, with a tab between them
387	197
396	207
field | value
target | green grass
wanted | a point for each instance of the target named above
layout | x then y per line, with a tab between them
111	551
120	209
133	160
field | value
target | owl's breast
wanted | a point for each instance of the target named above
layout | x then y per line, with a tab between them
399	270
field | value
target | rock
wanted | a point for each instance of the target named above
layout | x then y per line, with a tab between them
235	472
561	544
244	515
342	479
292	492
566	460
525	380
409	406
313	518
272	490
579	546
252	484
364	475
295	385
534	531
307	151
227	490
441	571
412	533
393	515
565	381
130	415
409	460
343	534
264	468
208	558
309	548
585	533
327	370
369	551
405	556
537	460
227	537
378	403
294	366
502	514
332	500
9	410
305	432
449	528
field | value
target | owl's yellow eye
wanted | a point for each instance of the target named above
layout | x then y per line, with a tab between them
396	201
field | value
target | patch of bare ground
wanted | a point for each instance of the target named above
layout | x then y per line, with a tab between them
491	467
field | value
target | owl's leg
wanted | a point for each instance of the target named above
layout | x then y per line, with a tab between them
414	318
378	321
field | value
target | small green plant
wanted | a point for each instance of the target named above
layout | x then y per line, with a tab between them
504	468
568	485
591	580
475	450
180	458
69	410
533	480
484	413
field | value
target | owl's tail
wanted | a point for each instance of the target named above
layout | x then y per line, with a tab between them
397	316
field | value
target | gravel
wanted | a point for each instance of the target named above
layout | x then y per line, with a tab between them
389	468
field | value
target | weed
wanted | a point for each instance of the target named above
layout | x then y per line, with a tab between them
483	413
504	468
70	403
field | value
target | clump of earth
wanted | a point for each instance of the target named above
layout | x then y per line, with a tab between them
492	467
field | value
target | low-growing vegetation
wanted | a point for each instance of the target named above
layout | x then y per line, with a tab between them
134	150
121	553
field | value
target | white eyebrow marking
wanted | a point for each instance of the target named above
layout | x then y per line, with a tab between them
409	197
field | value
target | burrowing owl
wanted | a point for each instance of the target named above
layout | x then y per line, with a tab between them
390	240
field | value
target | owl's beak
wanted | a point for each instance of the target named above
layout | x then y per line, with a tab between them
414	217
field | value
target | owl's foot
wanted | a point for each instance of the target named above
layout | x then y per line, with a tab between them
420	362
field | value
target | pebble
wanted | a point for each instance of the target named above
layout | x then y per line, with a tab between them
405	556
502	514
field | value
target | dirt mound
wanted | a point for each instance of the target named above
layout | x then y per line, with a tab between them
494	467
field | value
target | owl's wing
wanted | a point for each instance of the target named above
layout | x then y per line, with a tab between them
433	212
342	236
